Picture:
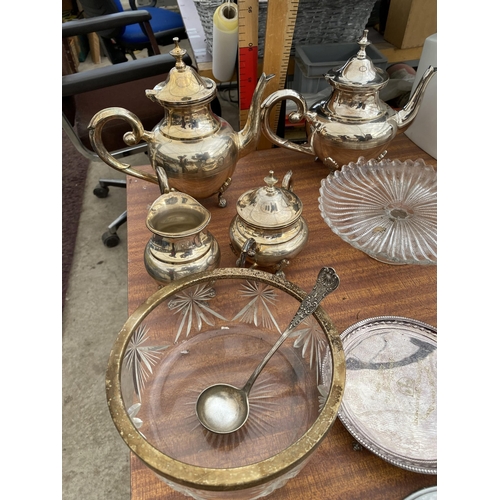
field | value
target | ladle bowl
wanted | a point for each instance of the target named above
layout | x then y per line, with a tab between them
216	327
223	408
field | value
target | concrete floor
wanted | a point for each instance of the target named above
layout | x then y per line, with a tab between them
95	461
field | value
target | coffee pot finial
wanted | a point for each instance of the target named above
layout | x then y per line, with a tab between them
178	52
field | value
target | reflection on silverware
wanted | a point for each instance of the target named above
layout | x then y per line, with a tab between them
424	349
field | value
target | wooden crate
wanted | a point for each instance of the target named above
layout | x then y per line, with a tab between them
70	52
410	22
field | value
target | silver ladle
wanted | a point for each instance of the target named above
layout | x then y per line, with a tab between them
223	408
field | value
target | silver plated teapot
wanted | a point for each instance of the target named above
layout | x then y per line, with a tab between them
191	150
353	121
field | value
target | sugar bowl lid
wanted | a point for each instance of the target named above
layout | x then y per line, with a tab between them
359	70
183	84
270	207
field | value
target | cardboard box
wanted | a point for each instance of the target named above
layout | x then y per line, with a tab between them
410	22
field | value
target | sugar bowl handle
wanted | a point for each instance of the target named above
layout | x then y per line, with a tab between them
137	134
295	116
247	250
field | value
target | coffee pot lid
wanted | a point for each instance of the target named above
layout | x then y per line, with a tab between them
183	84
269	207
359	70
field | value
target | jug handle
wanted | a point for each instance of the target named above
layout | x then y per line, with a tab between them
295	116
95	127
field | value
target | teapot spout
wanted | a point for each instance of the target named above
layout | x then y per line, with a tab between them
410	110
249	135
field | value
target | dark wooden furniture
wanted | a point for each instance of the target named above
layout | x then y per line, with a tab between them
368	288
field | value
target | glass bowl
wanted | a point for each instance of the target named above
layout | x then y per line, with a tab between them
212	327
387	209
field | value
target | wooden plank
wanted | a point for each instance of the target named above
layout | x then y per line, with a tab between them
95	48
368	288
280	26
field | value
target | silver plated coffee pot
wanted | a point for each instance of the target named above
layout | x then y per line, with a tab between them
191	150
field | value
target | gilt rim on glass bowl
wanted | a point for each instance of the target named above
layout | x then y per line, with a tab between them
236	478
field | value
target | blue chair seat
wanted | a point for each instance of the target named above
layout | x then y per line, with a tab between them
162	21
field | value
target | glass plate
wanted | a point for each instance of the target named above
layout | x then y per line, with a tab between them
390	398
387	209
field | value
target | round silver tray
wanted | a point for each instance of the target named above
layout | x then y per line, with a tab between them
424	494
390	400
387	209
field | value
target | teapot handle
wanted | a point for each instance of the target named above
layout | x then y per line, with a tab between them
130	138
295	116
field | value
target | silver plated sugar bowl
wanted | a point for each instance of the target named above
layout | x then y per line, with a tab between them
268	229
353	121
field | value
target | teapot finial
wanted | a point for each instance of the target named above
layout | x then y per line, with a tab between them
363	43
178	53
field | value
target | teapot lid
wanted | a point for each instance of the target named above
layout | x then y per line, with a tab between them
359	70
270	207
183	84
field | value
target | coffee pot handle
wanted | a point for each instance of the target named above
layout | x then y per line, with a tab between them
137	134
294	117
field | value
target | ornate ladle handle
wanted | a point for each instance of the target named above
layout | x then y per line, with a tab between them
327	282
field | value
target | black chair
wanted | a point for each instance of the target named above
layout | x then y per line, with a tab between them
118	41
123	85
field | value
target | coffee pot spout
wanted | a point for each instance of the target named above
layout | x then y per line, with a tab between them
249	135
405	116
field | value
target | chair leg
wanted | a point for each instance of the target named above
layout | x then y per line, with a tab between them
102	188
110	238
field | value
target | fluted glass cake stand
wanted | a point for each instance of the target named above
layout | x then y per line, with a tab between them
387	209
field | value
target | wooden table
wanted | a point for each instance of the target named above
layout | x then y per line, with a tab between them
368	288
